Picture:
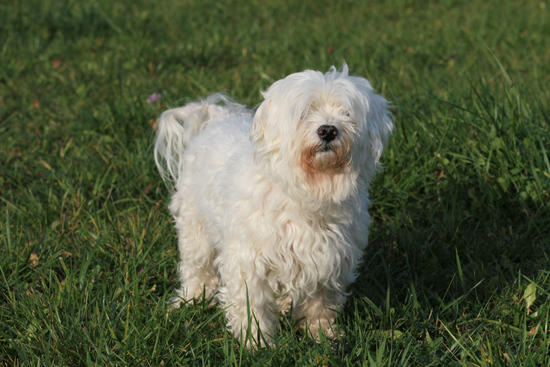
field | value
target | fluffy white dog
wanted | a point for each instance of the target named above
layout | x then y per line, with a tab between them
272	206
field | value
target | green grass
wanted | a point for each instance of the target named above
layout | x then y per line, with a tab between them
458	267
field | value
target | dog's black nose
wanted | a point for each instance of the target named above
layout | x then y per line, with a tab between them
327	132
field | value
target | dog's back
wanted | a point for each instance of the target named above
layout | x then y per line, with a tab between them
176	127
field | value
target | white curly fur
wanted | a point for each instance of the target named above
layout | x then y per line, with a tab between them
266	210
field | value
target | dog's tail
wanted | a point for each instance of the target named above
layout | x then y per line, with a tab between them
176	128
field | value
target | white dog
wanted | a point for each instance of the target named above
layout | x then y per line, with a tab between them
272	206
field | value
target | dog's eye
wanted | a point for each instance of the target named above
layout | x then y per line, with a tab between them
347	114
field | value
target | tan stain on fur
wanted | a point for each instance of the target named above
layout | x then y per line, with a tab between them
316	169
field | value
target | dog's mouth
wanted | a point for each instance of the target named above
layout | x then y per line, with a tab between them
322	147
326	158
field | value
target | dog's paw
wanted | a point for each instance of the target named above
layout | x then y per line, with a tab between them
174	303
253	344
325	326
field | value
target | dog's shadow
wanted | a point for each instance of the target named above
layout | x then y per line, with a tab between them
423	263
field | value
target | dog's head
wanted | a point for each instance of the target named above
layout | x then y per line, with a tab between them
320	133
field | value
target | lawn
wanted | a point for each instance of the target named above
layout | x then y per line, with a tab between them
457	272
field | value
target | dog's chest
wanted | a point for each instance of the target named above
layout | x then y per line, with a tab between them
306	254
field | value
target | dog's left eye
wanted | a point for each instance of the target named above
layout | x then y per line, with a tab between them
347	114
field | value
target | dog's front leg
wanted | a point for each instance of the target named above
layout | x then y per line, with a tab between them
320	312
250	303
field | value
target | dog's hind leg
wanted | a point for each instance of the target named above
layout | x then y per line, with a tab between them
195	269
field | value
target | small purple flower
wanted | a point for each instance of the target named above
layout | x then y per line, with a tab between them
153	97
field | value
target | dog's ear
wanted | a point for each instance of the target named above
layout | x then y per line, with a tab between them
257	134
379	125
285	103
